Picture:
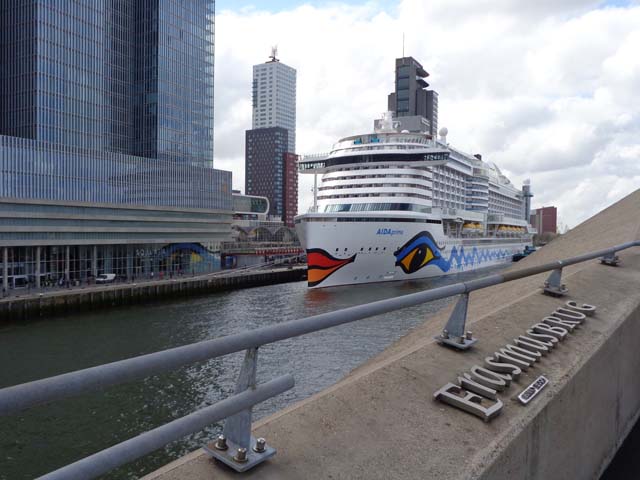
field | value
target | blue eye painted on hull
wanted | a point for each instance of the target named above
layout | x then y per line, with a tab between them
420	251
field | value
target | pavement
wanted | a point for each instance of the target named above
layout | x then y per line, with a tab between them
381	422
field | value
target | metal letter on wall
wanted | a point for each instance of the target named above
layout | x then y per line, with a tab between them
469	402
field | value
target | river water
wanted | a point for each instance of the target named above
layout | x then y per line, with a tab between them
48	437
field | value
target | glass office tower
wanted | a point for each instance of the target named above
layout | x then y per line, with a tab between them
85	80
106	108
126	76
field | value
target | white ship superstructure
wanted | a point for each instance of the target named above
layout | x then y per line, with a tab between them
395	205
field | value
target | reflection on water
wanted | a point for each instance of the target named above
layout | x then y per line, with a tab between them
48	437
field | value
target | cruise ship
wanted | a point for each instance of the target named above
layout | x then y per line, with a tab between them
393	205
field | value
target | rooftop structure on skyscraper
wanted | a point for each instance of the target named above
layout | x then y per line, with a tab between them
412	103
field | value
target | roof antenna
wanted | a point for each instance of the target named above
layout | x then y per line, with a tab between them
274	53
402	44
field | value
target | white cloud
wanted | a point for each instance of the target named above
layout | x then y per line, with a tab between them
548	90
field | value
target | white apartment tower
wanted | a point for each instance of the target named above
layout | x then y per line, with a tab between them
274	97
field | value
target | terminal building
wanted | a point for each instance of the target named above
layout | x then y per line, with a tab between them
106	142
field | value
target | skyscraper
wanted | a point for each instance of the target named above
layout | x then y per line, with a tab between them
274	97
132	77
411	97
270	161
106	137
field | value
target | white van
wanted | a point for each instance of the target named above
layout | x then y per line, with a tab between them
106	278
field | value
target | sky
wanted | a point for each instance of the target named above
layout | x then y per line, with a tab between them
549	90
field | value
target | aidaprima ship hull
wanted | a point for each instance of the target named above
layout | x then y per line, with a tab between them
346	251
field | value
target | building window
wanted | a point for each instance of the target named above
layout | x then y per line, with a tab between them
404	71
403	94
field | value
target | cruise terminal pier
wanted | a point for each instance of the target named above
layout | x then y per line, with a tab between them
382	421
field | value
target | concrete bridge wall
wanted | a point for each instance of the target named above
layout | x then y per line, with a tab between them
579	430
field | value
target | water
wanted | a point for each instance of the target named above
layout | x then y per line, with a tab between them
48	437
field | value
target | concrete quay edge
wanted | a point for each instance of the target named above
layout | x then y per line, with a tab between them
33	305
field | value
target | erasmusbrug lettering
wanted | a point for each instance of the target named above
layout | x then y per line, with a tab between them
477	391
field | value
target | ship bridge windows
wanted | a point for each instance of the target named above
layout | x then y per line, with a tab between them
371	176
376	185
368	195
372	159
386	220
375	207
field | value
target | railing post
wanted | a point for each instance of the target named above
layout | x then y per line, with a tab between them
610	259
236	447
454	334
553	285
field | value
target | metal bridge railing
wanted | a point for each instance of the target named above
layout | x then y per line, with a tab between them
236	447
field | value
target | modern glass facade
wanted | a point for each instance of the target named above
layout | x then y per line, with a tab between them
185	53
38	170
109	101
126	76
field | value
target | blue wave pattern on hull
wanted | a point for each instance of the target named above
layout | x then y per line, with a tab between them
475	257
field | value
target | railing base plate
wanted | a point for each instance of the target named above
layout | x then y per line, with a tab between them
253	458
612	262
456	343
556	291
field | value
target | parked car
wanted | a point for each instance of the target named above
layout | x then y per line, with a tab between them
106	278
528	250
